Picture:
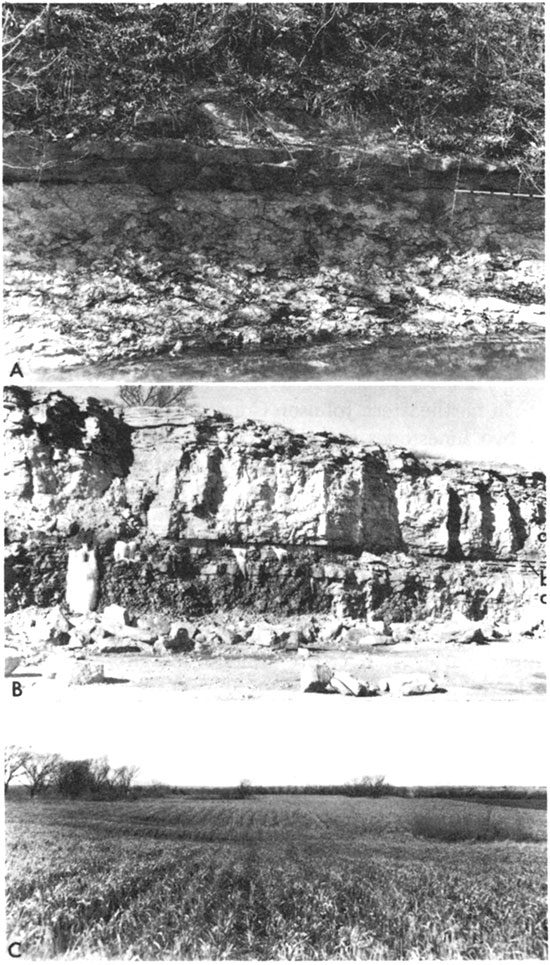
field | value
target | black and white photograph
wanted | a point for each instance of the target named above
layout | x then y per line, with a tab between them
178	832
280	191
274	481
288	678
173	523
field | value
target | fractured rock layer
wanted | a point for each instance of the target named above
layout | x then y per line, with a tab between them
133	251
223	514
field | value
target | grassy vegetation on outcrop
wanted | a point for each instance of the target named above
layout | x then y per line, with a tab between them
276	878
447	77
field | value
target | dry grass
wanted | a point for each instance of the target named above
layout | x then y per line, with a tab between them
272	878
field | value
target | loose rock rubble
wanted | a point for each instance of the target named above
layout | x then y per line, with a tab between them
68	647
319	678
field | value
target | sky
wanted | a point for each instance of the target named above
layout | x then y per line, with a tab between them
198	738
482	422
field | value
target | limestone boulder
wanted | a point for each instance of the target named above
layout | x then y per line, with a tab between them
154	621
409	685
267	635
137	634
178	639
84	625
87	673
118	645
58	620
458	631
294	641
331	630
228	636
115	616
12	660
401	632
78	641
378	627
48	629
315	677
360	638
350	686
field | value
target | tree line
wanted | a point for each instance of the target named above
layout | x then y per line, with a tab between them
39	772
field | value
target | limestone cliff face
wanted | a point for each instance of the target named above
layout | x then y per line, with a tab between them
165	475
64	462
467	512
253	483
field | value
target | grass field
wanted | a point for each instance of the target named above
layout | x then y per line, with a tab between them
276	877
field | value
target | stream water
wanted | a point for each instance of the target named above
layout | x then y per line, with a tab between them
390	359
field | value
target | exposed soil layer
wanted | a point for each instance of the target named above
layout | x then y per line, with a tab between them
158	252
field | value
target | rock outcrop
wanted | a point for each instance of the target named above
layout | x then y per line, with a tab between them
221	513
116	251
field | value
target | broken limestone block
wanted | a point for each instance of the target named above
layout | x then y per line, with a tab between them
178	640
12	659
205	647
159	647
331	630
409	685
349	686
40	631
377	626
78	640
228	635
118	645
115	616
401	632
266	635
293	641
154	621
134	633
87	673
57	619
530	621
315	678
360	638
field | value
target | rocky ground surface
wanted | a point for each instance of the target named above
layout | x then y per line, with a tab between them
246	657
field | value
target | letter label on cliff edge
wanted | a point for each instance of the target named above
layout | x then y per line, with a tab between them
16	689
16	370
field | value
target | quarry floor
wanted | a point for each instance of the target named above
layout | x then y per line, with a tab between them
501	670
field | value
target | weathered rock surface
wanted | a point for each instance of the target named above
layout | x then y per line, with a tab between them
167	475
315	678
12	659
238	249
413	685
226	514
